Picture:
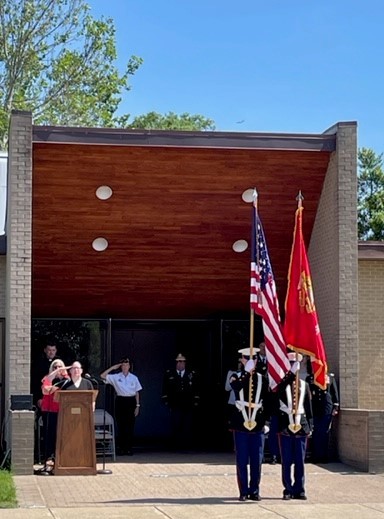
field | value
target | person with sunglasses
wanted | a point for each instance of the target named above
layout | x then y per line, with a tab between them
49	409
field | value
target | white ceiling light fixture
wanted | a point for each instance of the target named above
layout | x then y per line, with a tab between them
240	246
247	196
104	192
100	244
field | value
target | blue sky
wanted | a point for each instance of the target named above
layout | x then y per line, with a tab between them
251	65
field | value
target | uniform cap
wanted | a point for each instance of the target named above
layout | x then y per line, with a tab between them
295	356
246	352
180	357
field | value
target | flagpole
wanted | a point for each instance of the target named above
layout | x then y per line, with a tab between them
252	323
299	199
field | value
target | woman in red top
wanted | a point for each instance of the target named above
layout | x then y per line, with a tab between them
50	409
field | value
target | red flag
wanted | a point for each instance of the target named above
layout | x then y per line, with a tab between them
265	303
301	327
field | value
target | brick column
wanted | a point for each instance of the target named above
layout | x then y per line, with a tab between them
348	268
22	433
18	285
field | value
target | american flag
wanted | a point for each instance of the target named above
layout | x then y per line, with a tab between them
265	303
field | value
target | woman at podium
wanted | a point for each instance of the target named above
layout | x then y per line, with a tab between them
50	407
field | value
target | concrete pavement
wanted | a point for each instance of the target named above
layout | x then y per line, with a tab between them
185	486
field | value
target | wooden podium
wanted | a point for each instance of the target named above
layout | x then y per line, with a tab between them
75	443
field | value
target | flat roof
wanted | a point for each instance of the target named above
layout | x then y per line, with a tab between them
185	139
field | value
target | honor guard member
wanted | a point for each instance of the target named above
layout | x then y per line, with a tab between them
325	405
261	357
295	425
181	395
248	424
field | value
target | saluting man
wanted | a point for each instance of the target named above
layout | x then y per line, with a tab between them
181	395
248	424
295	425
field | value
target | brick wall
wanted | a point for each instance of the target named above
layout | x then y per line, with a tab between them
322	252
333	257
371	334
22	438
361	439
18	282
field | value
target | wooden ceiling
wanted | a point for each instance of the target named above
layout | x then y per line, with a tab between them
171	221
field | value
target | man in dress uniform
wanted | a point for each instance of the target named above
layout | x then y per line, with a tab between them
295	425
181	395
248	423
325	405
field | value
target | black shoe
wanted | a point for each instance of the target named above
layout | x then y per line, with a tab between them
254	497
273	460
286	496
242	498
301	496
46	473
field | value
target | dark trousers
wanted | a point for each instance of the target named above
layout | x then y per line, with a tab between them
249	448
49	433
182	423
292	452
320	438
125	422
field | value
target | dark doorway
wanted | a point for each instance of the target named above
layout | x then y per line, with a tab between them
152	347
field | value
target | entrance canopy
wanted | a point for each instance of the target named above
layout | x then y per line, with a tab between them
165	209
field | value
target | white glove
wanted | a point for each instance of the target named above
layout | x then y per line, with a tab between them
295	366
266	429
250	365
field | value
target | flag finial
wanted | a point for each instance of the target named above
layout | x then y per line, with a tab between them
254	196
299	199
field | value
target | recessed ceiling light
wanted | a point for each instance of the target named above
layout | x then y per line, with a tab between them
100	244
104	192
240	246
247	196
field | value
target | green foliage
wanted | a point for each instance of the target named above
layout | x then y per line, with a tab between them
370	195
172	121
75	340
7	490
59	63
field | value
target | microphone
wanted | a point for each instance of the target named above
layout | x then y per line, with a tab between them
94	381
93	378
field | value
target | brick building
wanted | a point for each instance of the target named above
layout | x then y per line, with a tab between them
192	292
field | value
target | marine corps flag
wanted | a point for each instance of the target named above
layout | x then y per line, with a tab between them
301	326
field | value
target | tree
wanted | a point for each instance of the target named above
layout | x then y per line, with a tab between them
172	121
58	62
370	195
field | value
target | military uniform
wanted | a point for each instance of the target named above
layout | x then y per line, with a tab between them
181	395
293	432
325	403
248	426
